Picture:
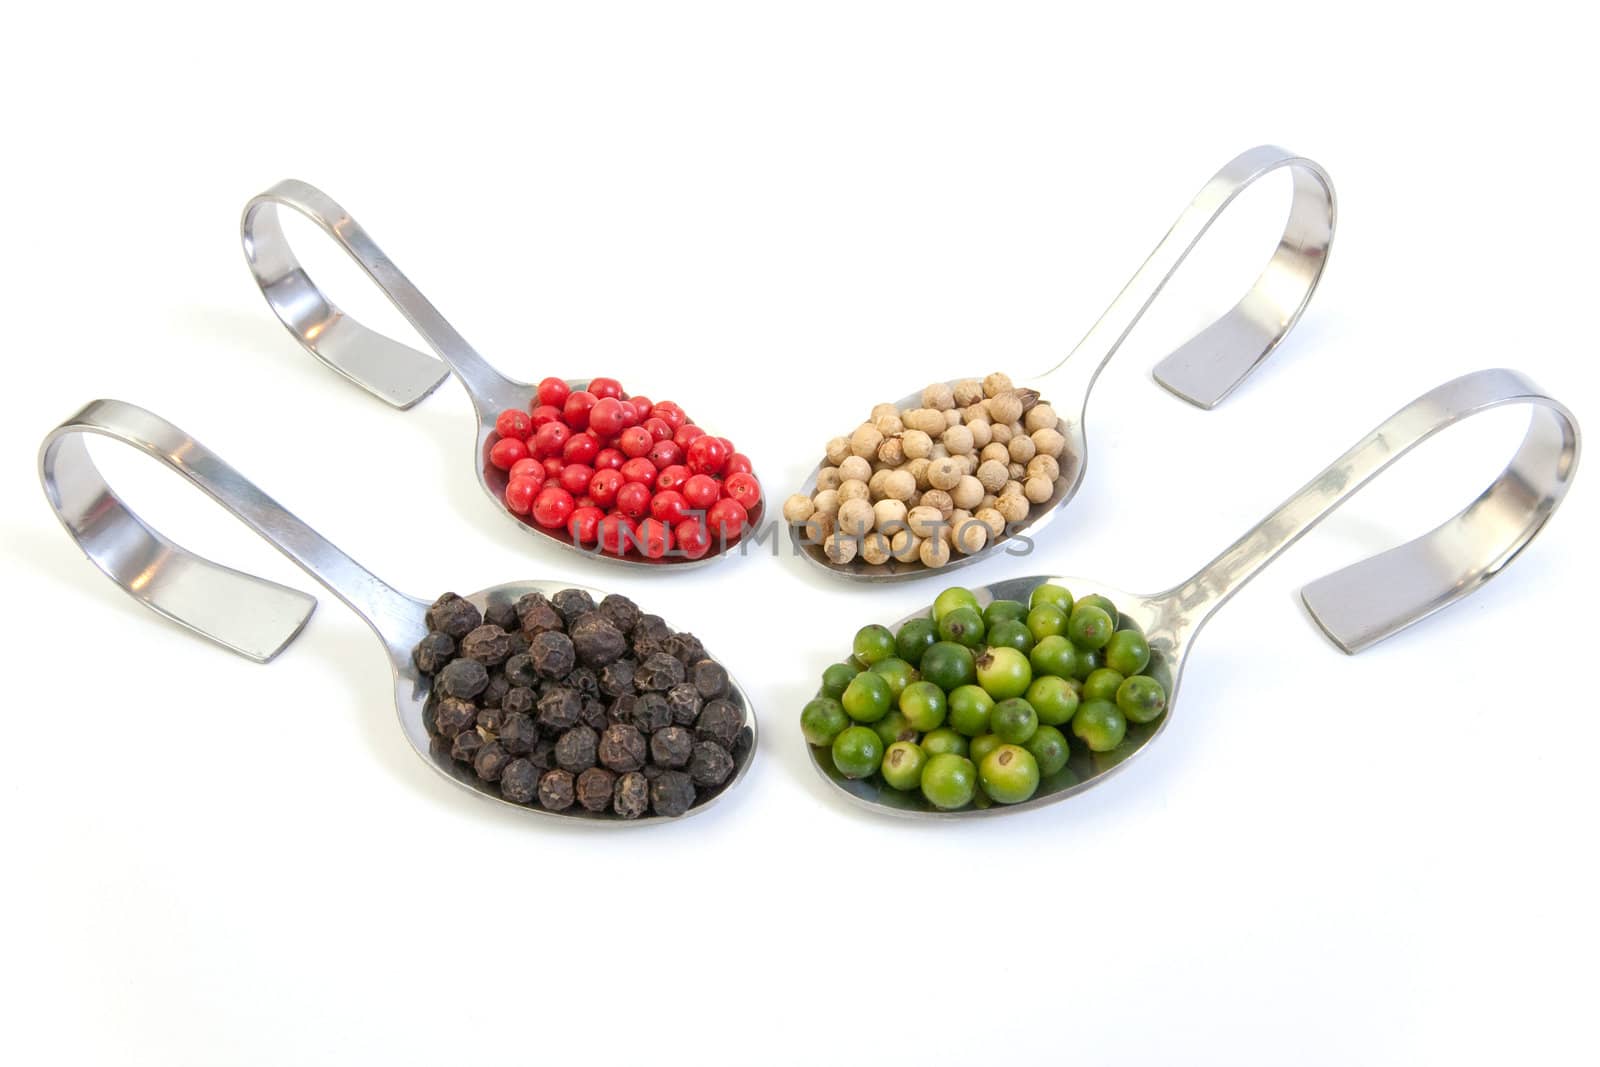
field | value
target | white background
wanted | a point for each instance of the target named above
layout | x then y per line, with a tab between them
779	216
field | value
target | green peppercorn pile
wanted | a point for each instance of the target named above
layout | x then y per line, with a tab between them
973	705
562	703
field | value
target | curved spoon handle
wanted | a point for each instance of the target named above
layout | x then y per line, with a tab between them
252	616
1208	366
1368	601
395	373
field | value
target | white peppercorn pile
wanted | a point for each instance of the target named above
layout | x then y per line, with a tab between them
921	484
559	701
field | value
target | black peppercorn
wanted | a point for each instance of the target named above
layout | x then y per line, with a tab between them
454	615
594	715
672	793
495	692
597	641
658	673
519	698
451	716
490	720
684	702
572	603
518	735
518	642
720	722
631	796
559	709
434	651
519	781
622	708
488	644
575	749
617	678
594	788
462	678
709	679
651	713
622	748
671	747
710	765
466	745
503	615
622	612
537	615
543	755
556	790
552	653
685	648
583	680
490	761
519	670
649	626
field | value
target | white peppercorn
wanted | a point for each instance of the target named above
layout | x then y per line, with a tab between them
1045	466
1005	407
991	518
865	440
919	471
968	391
1050	442
816	529
935	552
827	502
853	490
944	473
924	521
837	450
889	511
1039	417
892	451
875	548
928	420
855	469
939	451
840	548
890	424
938	396
988	501
969	536
1016	472
917	444
968	492
1021	449
1014	506
828	478
996	383
1038	489
880	410
992	474
899	485
939	500
905	546
855	516
957	440
999	433
798	508
982	433
952	418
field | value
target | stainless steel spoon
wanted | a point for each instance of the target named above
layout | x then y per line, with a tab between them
1356	607
249	615
1202	370
396	373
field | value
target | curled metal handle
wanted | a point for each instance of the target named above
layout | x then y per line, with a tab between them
249	615
395	373
1378	597
1208	366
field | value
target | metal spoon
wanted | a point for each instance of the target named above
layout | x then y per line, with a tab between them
395	373
1202	370
1356	607
252	616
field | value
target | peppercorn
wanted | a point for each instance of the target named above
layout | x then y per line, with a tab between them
620	612
594	714
597	641
631	796
649	626
495	692
684	702
490	761
454	615
672	793
594	788
537	615
465	747
488	644
520	672
671	747
617	678
490	721
560	709
572	604
719	722
519	699
519	781
543	755
651	713
503	615
518	734
710	679
453	715
575	749
659	673
622	747
518	643
434	651
553	654
462	678
556	790
622	709
710	765
685	647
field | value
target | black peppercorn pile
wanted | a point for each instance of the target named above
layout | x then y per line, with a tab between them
563	701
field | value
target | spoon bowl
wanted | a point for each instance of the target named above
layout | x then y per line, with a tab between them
1202	371
1355	607
257	618
396	373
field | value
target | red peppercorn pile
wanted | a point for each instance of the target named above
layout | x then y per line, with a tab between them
559	701
622	474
